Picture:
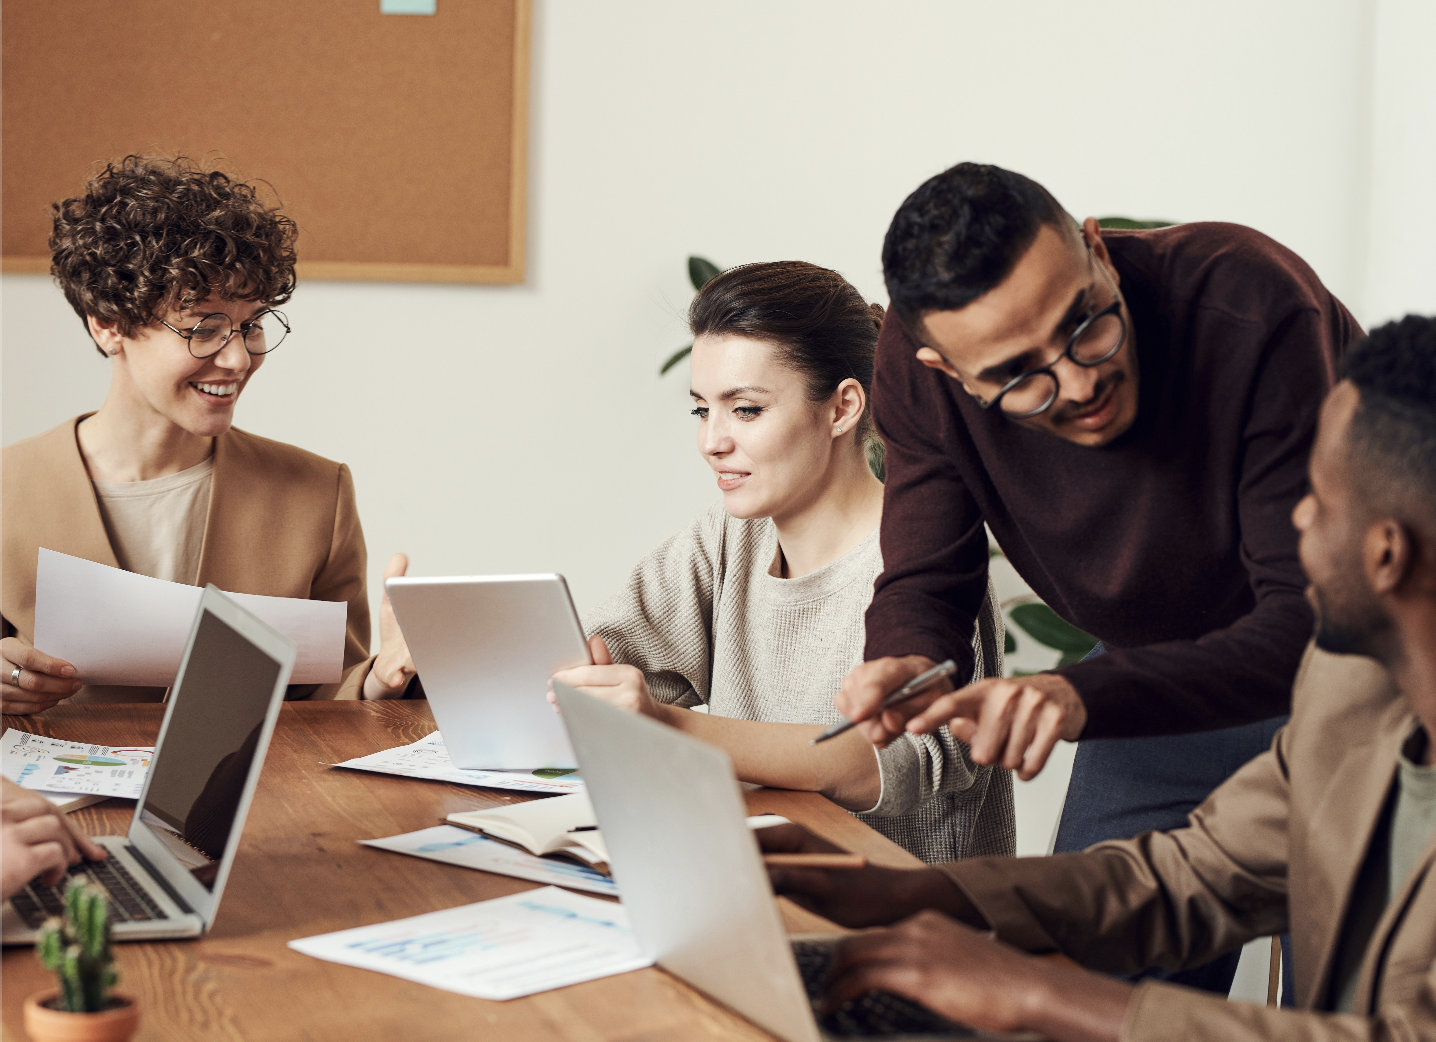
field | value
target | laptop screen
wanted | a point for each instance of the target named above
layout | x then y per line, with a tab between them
209	748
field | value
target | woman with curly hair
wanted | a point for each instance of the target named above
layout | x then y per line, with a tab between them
177	273
755	610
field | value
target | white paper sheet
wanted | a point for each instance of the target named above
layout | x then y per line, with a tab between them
455	846
501	949
118	627
51	765
427	758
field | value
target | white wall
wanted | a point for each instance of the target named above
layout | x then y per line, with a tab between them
1401	244
525	428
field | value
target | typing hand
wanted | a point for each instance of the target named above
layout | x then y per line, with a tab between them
869	683
393	666
42	682
621	686
971	978
37	839
868	896
1014	722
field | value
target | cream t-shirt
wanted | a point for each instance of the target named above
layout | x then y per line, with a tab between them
156	527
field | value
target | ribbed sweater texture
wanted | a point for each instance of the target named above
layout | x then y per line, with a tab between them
708	623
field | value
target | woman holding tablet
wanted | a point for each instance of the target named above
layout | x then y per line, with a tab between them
756	609
176	273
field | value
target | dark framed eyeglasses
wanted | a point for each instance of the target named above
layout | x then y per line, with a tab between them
260	334
1097	339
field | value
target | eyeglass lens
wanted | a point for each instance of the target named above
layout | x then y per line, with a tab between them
261	334
1096	343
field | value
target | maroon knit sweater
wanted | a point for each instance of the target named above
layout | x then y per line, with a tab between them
1173	544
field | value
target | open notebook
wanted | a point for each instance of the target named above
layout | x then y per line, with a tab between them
561	825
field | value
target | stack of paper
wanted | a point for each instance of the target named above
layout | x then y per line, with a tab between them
455	846
54	767
427	758
500	949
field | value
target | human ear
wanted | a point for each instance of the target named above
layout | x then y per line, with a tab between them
849	401
106	337
930	358
1387	555
1092	235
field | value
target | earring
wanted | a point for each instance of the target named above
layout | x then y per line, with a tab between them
837	430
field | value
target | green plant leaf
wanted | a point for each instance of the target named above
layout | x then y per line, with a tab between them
1131	223
877	457
700	270
1010	643
675	358
1043	625
553	772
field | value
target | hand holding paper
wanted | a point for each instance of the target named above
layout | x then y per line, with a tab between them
32	682
117	627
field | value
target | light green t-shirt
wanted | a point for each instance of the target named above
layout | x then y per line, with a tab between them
1406	826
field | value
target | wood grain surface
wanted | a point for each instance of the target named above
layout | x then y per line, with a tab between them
301	871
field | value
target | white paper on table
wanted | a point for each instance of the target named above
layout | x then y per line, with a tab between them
500	949
119	627
52	765
455	846
428	759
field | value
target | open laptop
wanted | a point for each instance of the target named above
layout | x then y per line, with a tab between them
485	647
693	882
166	877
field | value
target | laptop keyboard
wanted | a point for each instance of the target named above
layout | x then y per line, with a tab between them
875	1014
128	901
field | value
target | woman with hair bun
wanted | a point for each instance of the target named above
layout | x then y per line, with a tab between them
755	611
177	273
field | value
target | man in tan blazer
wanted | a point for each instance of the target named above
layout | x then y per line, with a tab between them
1327	835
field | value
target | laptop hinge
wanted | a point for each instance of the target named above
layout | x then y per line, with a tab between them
161	880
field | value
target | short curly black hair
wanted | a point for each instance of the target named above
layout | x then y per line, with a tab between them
959	235
1393	433
151	234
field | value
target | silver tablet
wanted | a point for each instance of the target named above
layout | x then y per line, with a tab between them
485	646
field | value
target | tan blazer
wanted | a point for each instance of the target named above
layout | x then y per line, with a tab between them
1277	847
282	522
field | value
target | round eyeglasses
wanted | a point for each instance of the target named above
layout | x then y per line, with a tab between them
1096	340
260	334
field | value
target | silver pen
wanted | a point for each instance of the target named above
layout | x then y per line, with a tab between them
914	687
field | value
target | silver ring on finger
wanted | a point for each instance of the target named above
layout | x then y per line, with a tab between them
15	676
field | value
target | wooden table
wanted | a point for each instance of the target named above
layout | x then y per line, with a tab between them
301	871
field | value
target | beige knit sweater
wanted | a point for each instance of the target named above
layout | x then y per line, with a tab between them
706	621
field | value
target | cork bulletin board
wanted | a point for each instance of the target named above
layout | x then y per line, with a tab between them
397	143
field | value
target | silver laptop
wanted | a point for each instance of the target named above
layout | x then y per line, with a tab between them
166	877
693	882
485	647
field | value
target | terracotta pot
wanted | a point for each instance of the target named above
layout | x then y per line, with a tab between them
115	1024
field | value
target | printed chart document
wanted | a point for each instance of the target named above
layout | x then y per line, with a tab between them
456	846
501	949
117	627
60	770
427	758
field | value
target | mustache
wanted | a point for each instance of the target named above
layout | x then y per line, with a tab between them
1098	393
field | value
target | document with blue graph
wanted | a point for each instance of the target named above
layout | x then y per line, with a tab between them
455	846
501	949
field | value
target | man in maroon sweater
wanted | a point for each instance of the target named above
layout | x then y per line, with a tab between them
1131	415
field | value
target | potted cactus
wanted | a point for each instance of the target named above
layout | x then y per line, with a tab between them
76	948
